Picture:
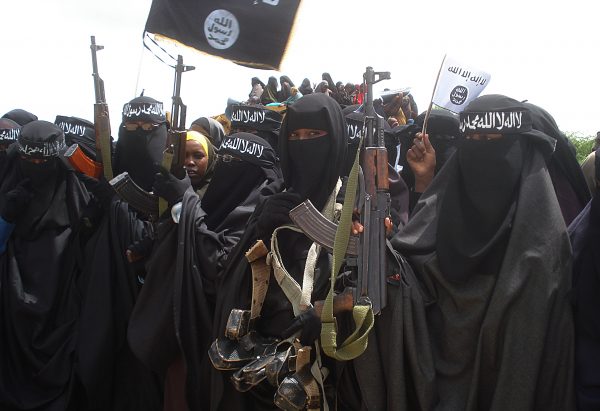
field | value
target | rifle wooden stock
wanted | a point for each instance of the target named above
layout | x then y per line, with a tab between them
372	271
318	228
371	281
174	154
343	302
82	163
136	196
103	143
177	142
101	117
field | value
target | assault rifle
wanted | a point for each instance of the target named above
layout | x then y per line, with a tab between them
74	154
173	156
374	206
101	117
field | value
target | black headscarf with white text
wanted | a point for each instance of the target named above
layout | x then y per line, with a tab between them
312	167
478	206
138	151
234	181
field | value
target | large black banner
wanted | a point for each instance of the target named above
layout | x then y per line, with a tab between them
253	33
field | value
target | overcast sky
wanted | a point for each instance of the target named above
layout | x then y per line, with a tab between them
543	51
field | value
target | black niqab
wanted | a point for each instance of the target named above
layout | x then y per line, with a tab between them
286	79
475	217
305	88
270	94
568	179
46	210
138	151
233	181
314	170
256	80
41	140
478	205
40	277
286	88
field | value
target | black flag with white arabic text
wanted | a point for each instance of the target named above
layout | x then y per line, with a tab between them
252	33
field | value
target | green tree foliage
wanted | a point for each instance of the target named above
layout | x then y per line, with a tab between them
583	144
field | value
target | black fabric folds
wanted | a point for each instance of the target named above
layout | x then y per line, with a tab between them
315	111
235	281
78	131
138	151
41	295
480	198
112	377
568	179
255	118
212	129
270	94
488	325
41	139
173	314
20	116
233	181
585	237
305	88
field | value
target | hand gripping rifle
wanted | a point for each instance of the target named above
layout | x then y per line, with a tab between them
174	155
173	158
374	205
371	259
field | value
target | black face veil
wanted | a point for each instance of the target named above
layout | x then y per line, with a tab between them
137	151
478	205
312	167
234	181
40	140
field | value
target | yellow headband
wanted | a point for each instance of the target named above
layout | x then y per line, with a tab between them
194	135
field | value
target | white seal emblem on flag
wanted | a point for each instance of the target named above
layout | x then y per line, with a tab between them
221	29
459	95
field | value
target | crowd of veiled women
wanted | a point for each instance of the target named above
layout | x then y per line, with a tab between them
217	302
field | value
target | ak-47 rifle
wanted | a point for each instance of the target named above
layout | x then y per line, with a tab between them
374	205
372	259
173	157
101	117
74	155
374	208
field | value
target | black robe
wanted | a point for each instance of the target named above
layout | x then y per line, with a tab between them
113	378
41	292
235	291
174	312
585	236
500	341
569	182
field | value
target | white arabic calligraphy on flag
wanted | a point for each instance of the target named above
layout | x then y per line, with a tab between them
458	84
